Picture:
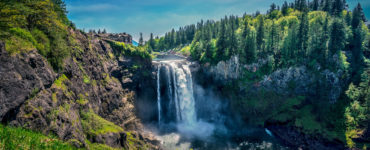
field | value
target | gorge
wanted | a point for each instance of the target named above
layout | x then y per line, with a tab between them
295	77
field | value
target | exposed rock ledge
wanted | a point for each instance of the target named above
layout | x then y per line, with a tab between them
94	80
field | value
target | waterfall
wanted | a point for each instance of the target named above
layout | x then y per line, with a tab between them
180	92
176	102
159	93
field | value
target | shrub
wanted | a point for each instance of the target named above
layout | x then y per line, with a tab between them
129	50
93	124
24	34
15	44
43	42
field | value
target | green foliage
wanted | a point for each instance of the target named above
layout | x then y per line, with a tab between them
185	51
59	83
21	40
337	37
357	112
129	50
86	79
24	34
98	146
43	42
18	138
41	24
82	100
94	125
34	92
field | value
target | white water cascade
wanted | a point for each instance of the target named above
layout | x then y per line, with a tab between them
175	97
179	92
159	93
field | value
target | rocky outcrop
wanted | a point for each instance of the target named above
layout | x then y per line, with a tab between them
96	79
226	70
21	77
286	81
231	69
293	137
120	37
300	81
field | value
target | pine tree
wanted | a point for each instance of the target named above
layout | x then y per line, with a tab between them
357	16
348	18
272	8
303	36
315	5
326	5
141	41
301	5
233	41
289	47
337	7
221	43
356	44
260	33
337	37
151	42
272	39
284	8
250	47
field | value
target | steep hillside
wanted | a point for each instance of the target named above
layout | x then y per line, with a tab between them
60	81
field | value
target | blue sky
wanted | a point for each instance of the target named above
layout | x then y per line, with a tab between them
160	16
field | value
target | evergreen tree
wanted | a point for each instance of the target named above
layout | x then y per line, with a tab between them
337	37
221	42
151	42
250	47
284	8
301	5
260	33
141	41
315	5
272	8
337	7
232	40
348	18
356	44
303	36
289	47
357	16
326	5
272	39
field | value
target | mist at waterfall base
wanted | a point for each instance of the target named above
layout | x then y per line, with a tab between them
191	116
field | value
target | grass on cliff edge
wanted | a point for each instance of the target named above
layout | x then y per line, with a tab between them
129	50
94	124
17	138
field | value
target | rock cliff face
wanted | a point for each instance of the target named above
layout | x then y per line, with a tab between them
92	99
294	80
21	77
